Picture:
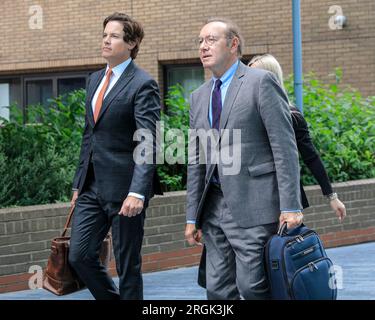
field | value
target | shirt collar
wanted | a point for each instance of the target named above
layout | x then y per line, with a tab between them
227	76
120	68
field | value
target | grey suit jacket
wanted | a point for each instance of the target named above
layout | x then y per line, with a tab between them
133	103
268	179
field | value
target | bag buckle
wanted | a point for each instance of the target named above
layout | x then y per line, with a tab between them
299	239
312	266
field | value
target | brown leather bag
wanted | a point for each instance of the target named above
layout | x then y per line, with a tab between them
59	277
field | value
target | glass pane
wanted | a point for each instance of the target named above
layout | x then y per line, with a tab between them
189	78
4	100
38	92
10	94
70	84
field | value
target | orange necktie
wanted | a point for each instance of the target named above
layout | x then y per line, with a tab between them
99	101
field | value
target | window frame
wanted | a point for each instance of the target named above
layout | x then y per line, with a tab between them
176	64
54	76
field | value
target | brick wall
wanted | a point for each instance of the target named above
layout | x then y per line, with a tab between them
71	34
25	233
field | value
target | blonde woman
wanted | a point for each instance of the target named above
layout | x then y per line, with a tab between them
305	146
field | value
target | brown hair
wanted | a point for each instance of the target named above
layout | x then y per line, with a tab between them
233	31
133	30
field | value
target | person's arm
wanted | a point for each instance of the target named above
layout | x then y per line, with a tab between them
84	153
147	115
195	183
82	156
275	113
309	153
311	158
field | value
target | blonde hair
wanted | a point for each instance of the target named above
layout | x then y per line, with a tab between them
268	62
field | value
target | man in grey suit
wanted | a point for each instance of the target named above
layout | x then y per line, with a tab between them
237	213
112	186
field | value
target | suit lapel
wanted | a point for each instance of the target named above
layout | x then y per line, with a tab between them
206	104
126	76
231	95
90	94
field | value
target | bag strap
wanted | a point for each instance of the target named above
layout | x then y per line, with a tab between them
68	220
282	229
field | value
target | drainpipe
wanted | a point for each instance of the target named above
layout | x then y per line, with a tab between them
297	54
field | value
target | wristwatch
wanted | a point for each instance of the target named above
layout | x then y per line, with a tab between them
332	196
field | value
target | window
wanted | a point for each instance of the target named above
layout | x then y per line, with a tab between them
37	89
189	77
38	92
10	93
70	84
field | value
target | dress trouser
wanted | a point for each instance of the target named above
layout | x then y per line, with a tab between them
234	260
92	219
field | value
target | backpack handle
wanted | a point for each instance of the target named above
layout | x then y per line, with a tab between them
283	229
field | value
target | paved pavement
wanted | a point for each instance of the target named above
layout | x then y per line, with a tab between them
357	263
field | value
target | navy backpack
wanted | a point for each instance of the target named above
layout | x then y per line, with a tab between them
298	267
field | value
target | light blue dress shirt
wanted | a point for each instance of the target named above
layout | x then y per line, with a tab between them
226	79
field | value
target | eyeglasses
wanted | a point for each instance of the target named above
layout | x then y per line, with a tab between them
210	40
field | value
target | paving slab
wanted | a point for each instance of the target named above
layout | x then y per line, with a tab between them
355	267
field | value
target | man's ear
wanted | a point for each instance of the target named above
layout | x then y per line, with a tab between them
131	45
235	44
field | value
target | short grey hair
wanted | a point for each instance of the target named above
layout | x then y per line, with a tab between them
233	31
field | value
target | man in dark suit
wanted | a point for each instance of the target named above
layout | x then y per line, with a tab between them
237	212
112	185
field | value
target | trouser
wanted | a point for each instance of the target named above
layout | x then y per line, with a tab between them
92	219
234	259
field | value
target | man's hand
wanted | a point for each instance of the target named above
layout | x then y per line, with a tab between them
192	235
74	198
131	206
339	208
293	219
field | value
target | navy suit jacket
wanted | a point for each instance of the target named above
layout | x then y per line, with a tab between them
133	103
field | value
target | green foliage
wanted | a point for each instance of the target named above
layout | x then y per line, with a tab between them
342	126
38	160
173	176
341	123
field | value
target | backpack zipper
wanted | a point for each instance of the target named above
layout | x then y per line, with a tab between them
311	266
301	238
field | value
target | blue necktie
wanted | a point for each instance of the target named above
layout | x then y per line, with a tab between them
216	112
216	105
